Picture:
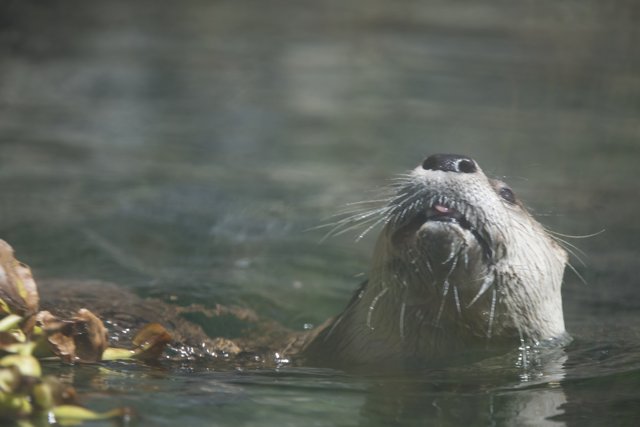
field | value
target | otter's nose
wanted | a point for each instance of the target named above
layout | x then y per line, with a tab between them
450	163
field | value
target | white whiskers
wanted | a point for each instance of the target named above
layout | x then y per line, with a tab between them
373	306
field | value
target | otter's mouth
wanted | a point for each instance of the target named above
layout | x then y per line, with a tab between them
439	212
443	213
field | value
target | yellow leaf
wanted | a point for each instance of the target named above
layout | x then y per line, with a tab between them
69	414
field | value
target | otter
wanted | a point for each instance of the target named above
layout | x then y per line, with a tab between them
460	268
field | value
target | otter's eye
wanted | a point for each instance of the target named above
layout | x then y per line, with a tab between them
507	194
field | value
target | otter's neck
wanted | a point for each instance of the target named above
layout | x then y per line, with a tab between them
404	314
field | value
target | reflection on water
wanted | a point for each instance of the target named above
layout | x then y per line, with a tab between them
186	149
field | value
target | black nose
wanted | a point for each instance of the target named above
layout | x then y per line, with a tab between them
450	163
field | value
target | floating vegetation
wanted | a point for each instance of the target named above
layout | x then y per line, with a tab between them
28	335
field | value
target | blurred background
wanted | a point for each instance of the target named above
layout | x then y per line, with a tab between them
187	149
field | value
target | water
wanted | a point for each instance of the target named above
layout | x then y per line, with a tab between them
186	149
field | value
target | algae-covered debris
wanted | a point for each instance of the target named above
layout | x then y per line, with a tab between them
27	334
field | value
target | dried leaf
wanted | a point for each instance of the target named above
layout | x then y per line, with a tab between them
59	335
18	290
81	339
151	341
63	346
50	323
90	336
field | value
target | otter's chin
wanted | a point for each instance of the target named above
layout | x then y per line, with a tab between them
450	249
443	241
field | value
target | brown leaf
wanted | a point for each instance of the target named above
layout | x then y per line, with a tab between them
49	323
81	339
63	346
18	290
150	341
90	336
59	335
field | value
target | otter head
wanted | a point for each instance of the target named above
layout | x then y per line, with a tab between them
459	265
462	250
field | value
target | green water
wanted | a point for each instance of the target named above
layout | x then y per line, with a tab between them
187	148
